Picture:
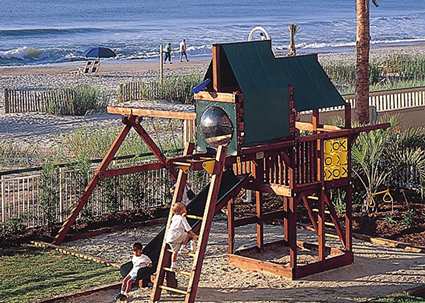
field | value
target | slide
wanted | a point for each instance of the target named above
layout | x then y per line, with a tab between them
229	183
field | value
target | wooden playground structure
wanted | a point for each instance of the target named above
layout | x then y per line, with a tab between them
248	137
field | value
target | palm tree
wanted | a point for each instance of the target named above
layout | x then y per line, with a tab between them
362	59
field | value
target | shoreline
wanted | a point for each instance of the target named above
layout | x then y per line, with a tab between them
138	67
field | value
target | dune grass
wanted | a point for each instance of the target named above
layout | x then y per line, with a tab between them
28	274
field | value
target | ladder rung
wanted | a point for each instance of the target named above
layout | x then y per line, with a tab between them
176	290
326	211
313	198
329	224
194	217
182	164
177	271
191	254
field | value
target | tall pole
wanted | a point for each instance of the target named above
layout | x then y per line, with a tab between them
161	65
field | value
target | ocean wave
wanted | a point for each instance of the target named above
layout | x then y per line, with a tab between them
21	53
50	31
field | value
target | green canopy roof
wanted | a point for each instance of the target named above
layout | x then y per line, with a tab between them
264	81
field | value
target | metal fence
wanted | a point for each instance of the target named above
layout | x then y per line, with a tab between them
36	199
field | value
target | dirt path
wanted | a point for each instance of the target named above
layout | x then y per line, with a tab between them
378	271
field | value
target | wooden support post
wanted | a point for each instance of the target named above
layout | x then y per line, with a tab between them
161	64
348	218
93	182
165	256
216	68
230	227
292	237
206	226
321	226
347	113
349	188
259	178
315	120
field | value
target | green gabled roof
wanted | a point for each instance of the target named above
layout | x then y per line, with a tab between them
264	81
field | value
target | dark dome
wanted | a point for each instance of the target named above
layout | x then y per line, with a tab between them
216	127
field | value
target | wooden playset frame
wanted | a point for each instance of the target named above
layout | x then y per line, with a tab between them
293	168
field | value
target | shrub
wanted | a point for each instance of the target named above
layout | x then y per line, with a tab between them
408	218
49	195
77	100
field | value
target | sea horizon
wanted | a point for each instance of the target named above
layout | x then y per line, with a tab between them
62	31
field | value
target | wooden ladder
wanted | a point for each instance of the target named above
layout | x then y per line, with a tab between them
206	221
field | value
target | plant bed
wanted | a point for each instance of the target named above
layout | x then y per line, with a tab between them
403	224
29	274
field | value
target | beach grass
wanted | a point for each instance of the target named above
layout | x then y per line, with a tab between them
28	274
94	143
385	72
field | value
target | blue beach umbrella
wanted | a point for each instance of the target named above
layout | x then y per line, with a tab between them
100	52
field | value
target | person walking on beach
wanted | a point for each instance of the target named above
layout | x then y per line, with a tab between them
183	49
168	53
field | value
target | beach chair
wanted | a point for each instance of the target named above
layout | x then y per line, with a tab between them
95	67
87	67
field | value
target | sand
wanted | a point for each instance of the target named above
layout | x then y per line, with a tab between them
377	271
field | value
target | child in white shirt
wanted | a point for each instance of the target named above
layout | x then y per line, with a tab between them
139	261
179	233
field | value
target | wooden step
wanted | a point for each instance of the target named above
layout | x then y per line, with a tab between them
172	289
194	217
313	198
191	254
326	211
177	271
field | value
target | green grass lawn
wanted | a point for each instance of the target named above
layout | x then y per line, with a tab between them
28	274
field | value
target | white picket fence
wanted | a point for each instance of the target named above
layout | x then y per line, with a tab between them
395	99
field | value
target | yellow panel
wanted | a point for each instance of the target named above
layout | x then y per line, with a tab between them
335	159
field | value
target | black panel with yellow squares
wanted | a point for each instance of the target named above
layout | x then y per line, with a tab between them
336	155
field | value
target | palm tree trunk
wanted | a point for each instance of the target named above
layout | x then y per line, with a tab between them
362	61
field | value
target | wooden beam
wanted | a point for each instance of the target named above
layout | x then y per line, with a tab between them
93	182
230	227
216	68
141	112
258	265
321	226
259	177
154	148
317	267
216	97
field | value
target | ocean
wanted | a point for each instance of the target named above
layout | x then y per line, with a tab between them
53	31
